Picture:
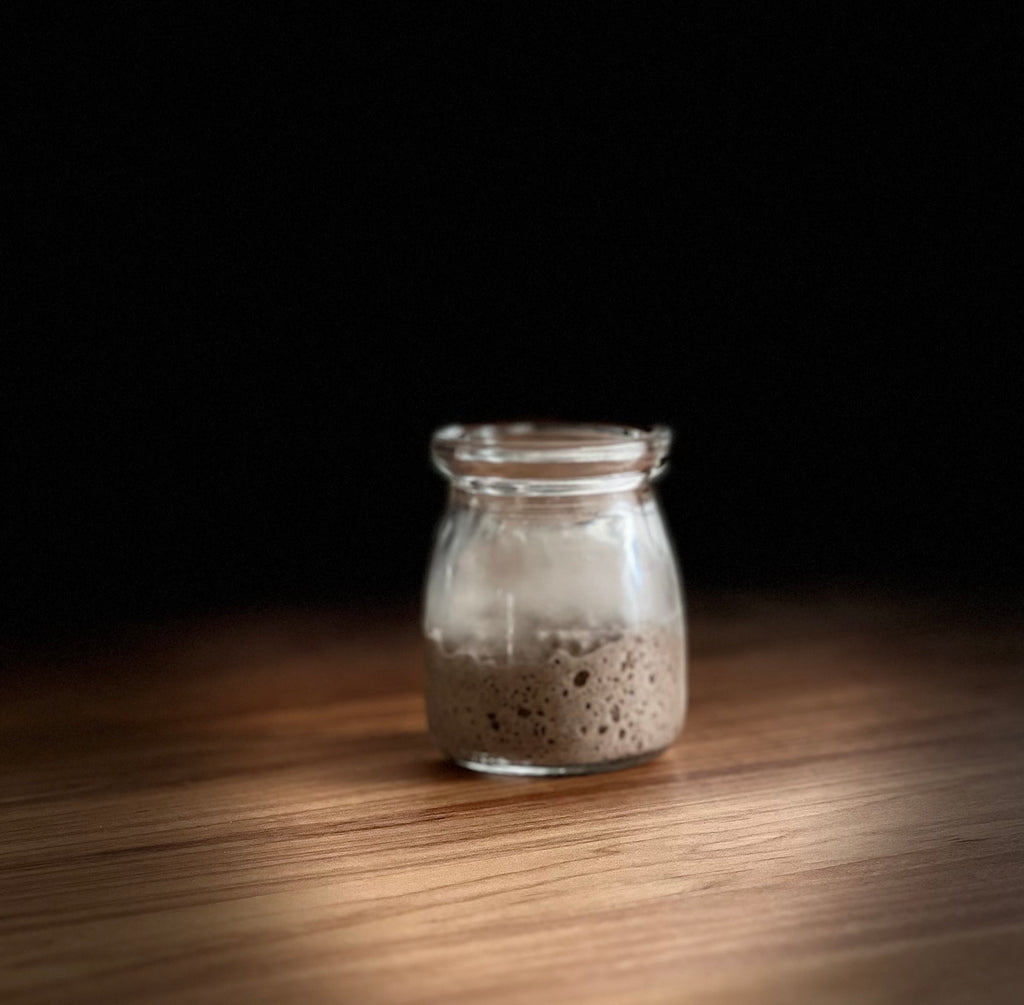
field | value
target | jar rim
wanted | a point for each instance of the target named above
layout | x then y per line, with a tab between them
549	451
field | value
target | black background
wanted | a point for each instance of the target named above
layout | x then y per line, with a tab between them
258	258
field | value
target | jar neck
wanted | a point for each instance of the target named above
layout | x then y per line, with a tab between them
549	460
490	487
597	499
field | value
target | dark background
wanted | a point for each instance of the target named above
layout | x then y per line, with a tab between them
258	258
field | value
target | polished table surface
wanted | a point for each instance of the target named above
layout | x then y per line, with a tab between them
251	810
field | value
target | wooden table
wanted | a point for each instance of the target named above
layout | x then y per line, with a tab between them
251	810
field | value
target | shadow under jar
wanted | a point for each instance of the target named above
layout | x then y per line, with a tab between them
553	613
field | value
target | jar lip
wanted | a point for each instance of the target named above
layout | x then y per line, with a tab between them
549	449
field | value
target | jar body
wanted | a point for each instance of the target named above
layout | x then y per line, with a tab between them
555	630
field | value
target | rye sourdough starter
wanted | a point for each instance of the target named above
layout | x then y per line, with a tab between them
572	698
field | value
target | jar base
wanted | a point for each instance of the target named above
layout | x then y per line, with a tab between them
491	765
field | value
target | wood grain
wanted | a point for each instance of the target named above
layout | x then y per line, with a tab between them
251	811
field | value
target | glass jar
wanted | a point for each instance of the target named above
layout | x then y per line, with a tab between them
553	613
